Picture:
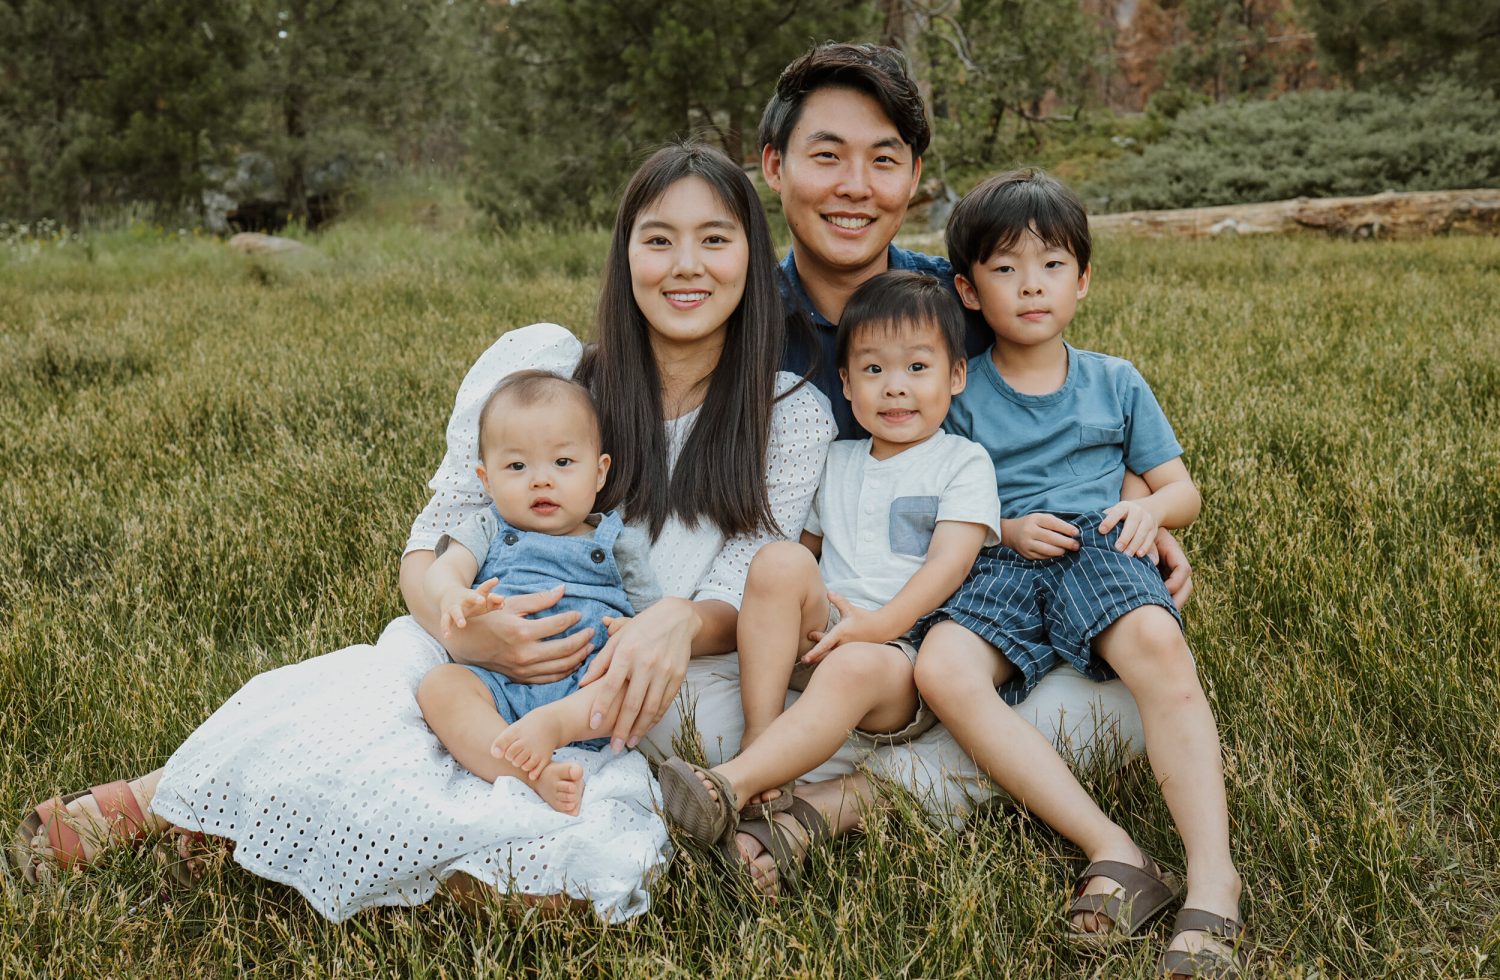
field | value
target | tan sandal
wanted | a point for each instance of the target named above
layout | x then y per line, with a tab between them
1144	893
782	803
781	843
1208	962
688	806
118	808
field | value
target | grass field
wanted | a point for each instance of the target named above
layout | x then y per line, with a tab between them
208	465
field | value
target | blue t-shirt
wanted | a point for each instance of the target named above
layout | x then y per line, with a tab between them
1065	452
800	354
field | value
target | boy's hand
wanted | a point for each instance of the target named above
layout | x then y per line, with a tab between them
1041	535
1138	527
460	605
855	625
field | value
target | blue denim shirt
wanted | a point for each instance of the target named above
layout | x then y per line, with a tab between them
801	355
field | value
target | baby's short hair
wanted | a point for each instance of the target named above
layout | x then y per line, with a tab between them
993	216
897	300
532	387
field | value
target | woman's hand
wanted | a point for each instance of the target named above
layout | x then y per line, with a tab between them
638	672
503	640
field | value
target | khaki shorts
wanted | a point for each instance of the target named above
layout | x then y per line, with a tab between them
920	722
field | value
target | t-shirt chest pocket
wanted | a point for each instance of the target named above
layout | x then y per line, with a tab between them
912	522
1098	449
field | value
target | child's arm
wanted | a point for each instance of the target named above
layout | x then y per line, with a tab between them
1174	502
447	586
950	555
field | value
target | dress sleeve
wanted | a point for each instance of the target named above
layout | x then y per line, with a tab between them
633	558
801	429
456	491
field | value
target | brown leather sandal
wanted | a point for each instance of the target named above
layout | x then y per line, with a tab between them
122	817
1144	893
688	806
782	803
1209	962
782	844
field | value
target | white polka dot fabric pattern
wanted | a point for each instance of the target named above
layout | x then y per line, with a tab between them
329	781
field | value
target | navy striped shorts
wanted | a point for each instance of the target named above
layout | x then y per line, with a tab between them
1041	614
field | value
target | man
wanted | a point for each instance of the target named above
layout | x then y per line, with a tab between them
842	142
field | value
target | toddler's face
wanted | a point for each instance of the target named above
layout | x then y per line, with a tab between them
542	464
1027	293
900	383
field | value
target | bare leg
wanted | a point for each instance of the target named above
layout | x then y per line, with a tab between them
785	598
461	712
1147	649
858	685
957	673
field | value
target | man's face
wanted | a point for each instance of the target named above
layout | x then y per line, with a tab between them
845	182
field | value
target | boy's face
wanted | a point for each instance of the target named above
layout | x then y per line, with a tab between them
1027	293
900	383
845	182
542	464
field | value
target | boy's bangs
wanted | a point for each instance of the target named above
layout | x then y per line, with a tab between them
1037	214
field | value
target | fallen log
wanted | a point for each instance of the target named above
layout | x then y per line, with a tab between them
1415	214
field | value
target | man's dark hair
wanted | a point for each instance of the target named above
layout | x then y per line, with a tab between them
531	387
901	300
993	216
877	71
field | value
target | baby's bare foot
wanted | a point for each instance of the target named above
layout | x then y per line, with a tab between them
529	743
561	785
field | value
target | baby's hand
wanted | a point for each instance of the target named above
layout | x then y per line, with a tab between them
1041	535
855	625
461	605
1138	527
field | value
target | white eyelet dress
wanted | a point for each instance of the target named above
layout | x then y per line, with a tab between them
328	780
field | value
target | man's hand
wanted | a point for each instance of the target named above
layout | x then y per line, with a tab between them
1040	535
461	605
1138	526
855	625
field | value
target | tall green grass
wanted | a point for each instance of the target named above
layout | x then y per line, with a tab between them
208	465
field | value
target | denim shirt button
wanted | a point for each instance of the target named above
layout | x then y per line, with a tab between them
511	537
597	555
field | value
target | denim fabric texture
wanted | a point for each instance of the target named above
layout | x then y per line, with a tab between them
529	561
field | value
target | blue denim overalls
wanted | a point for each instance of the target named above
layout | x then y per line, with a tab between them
530	561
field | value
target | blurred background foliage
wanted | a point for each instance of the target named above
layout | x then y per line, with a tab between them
171	108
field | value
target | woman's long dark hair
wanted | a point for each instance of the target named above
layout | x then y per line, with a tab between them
720	475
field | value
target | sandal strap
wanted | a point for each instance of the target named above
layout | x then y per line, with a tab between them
782	803
118	807
812	821
1143	894
62	840
1218	926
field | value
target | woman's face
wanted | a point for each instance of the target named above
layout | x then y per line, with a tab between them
688	255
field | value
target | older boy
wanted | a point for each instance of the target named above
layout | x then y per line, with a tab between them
1070	583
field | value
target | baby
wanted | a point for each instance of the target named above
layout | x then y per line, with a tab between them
896	524
542	466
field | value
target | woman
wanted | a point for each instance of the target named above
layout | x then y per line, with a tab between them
323	772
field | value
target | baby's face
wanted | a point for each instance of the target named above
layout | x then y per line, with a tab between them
899	384
542	464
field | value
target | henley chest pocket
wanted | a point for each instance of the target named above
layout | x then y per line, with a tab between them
1100	448
912	522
